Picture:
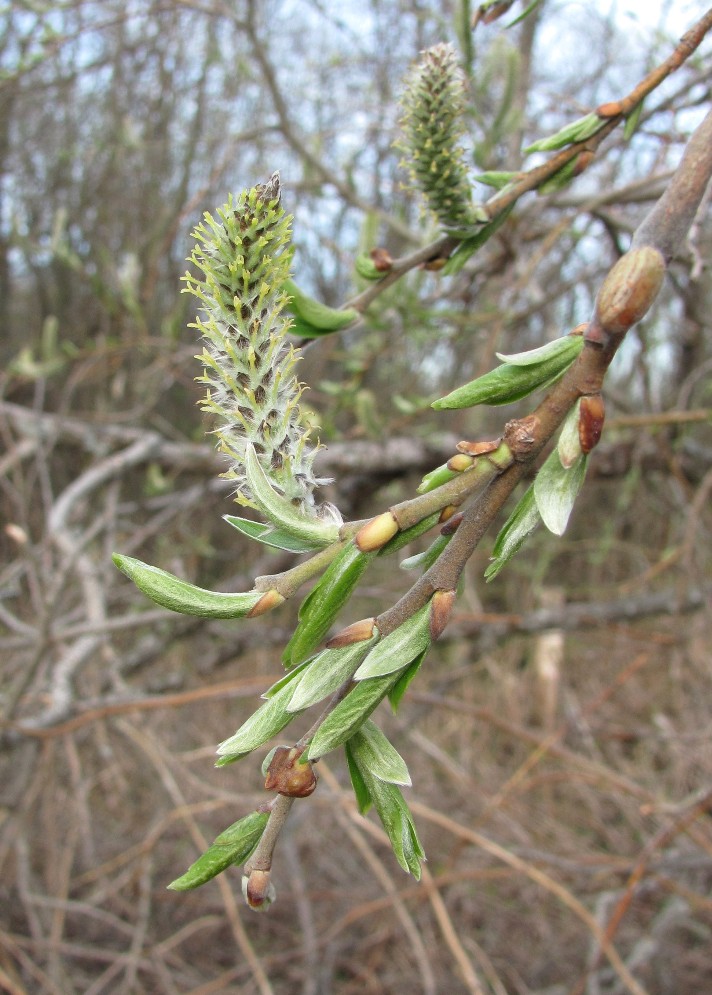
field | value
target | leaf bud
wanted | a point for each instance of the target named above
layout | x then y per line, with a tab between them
451	525
460	463
376	533
357	632
440	610
447	513
591	418
288	776
269	600
627	292
258	890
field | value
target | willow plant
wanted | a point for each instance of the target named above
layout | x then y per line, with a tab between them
249	306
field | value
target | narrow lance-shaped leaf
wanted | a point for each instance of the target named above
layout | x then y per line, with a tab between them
169	591
233	846
325	601
350	714
262	725
577	131
396	650
513	381
327	672
569	444
393	813
312	318
281	511
378	756
270	536
555	491
363	795
405	679
516	530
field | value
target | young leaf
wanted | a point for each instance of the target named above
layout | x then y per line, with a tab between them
569	444
469	246
513	381
169	591
424	560
325	601
436	478
363	795
395	817
395	695
350	714
374	753
577	131
515	531
399	648
233	846
315	315
289	678
568	346
270	536
261	726
281	511
555	490
327	672
631	122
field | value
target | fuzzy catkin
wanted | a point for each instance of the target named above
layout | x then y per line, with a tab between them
433	104
244	254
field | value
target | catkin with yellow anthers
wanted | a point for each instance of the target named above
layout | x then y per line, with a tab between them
432	125
244	256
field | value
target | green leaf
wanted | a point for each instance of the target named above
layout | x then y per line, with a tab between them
525	13
631	122
169	591
425	560
233	846
315	315
496	178
375	754
569	444
328	671
325	601
262	725
516	530
363	795
288	678
395	817
399	648
555	490
568	346
349	715
281	511
577	131
396	693
469	246
436	478
270	536
511	382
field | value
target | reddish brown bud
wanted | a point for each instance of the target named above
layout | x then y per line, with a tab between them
450	527
611	109
382	260
460	463
579	329
354	633
447	512
268	601
376	533
287	776
629	290
440	611
478	448
591	417
433	265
